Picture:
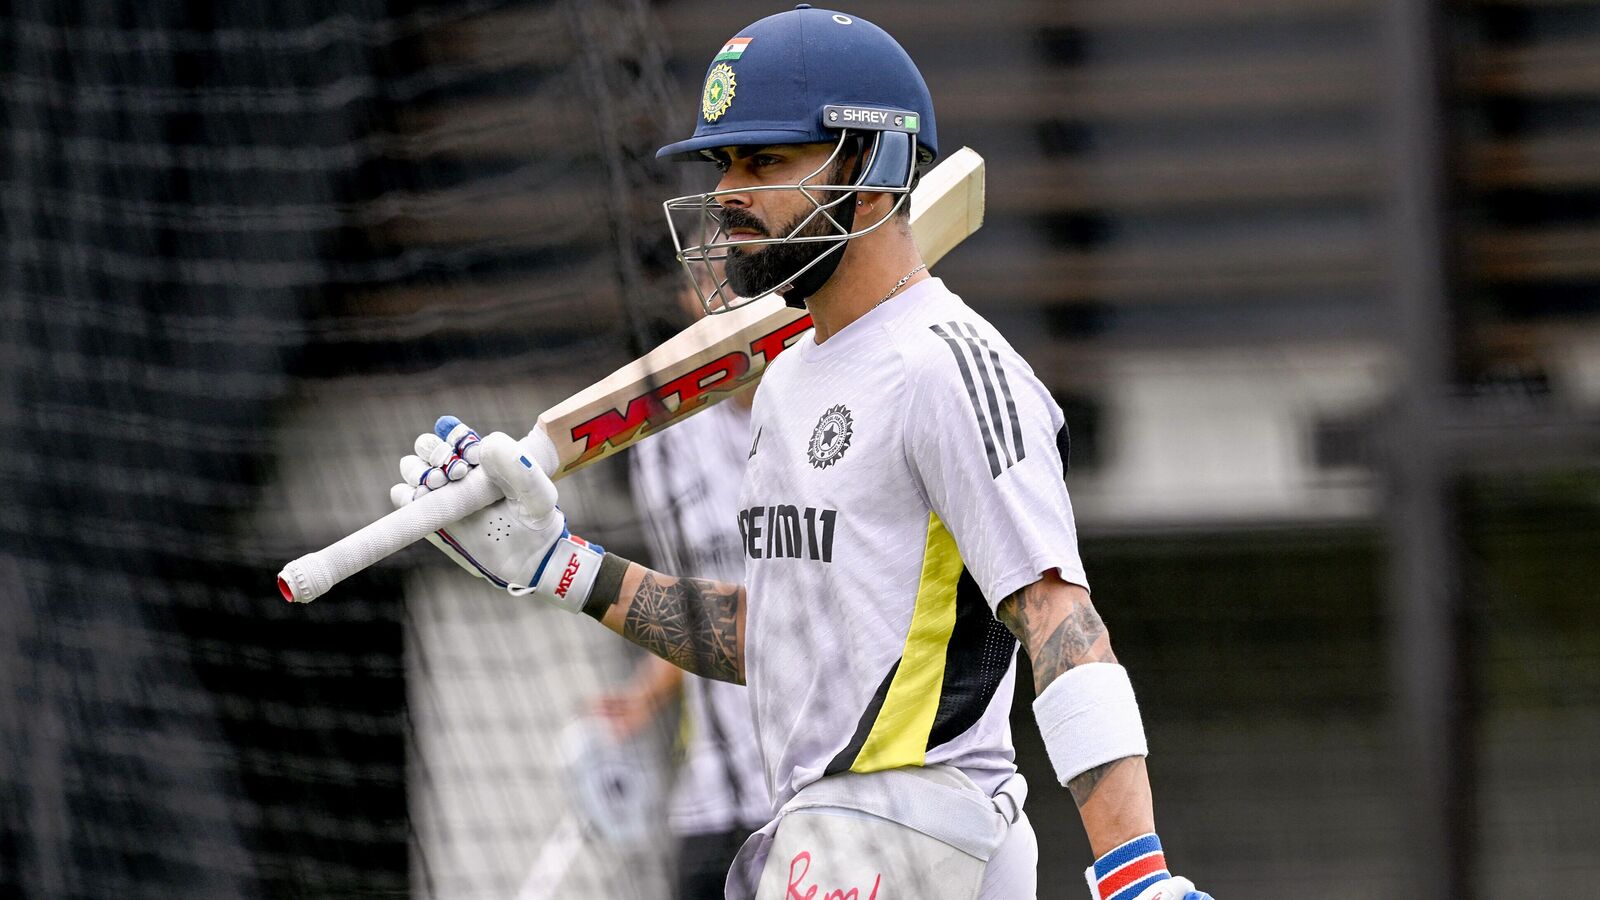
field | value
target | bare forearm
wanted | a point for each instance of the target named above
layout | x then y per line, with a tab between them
695	624
1059	627
1114	803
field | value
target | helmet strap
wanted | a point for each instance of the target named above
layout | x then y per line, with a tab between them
812	280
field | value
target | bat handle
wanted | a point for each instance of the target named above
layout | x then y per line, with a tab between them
314	574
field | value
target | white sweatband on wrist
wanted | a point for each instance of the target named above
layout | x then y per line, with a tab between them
567	574
1088	717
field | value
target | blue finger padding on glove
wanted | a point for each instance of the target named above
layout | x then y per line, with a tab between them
444	426
1197	895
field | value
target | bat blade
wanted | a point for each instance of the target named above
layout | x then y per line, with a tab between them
705	363
700	366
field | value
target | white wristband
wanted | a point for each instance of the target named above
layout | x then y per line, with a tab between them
568	574
1088	717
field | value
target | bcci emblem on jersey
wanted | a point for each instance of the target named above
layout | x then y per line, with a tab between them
831	438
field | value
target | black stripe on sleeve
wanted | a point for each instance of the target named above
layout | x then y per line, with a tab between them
1011	406
970	336
984	427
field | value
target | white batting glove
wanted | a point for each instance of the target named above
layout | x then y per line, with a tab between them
1137	870
1178	888
520	543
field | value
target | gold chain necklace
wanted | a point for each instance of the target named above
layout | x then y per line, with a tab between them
898	285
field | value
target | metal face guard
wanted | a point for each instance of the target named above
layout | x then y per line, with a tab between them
699	217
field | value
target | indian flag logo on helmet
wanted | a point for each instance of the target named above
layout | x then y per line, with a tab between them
718	95
732	49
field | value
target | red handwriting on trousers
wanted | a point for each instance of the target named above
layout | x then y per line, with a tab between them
801	864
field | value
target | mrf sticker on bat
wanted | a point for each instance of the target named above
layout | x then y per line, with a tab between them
688	393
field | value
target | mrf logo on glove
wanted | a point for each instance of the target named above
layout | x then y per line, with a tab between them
566	576
570	587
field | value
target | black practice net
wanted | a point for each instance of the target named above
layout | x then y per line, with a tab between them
252	249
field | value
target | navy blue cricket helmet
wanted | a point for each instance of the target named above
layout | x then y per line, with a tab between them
795	77
807	76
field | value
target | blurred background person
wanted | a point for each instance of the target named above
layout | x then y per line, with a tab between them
685	484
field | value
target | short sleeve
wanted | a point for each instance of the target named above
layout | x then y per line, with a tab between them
981	436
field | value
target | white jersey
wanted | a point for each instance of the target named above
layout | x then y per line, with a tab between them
686	485
903	480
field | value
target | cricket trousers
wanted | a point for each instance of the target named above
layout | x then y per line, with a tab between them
923	832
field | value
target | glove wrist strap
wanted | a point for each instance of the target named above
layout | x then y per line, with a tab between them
1125	872
566	575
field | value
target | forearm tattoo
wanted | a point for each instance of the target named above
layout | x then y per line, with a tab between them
1053	649
1072	642
689	622
1082	787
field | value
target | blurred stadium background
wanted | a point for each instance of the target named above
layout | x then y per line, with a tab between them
1317	282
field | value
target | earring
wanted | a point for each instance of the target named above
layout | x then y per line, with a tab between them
861	203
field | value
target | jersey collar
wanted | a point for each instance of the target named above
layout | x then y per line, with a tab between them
858	334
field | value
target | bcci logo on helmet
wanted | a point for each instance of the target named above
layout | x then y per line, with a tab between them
719	92
831	438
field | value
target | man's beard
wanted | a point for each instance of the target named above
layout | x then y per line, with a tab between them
758	272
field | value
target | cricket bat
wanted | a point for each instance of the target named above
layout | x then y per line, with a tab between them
700	366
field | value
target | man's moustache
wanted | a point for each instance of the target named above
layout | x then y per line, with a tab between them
733	220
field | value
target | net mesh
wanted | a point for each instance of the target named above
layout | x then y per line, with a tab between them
214	216
252	249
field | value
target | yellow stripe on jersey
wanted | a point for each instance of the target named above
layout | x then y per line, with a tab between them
899	735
